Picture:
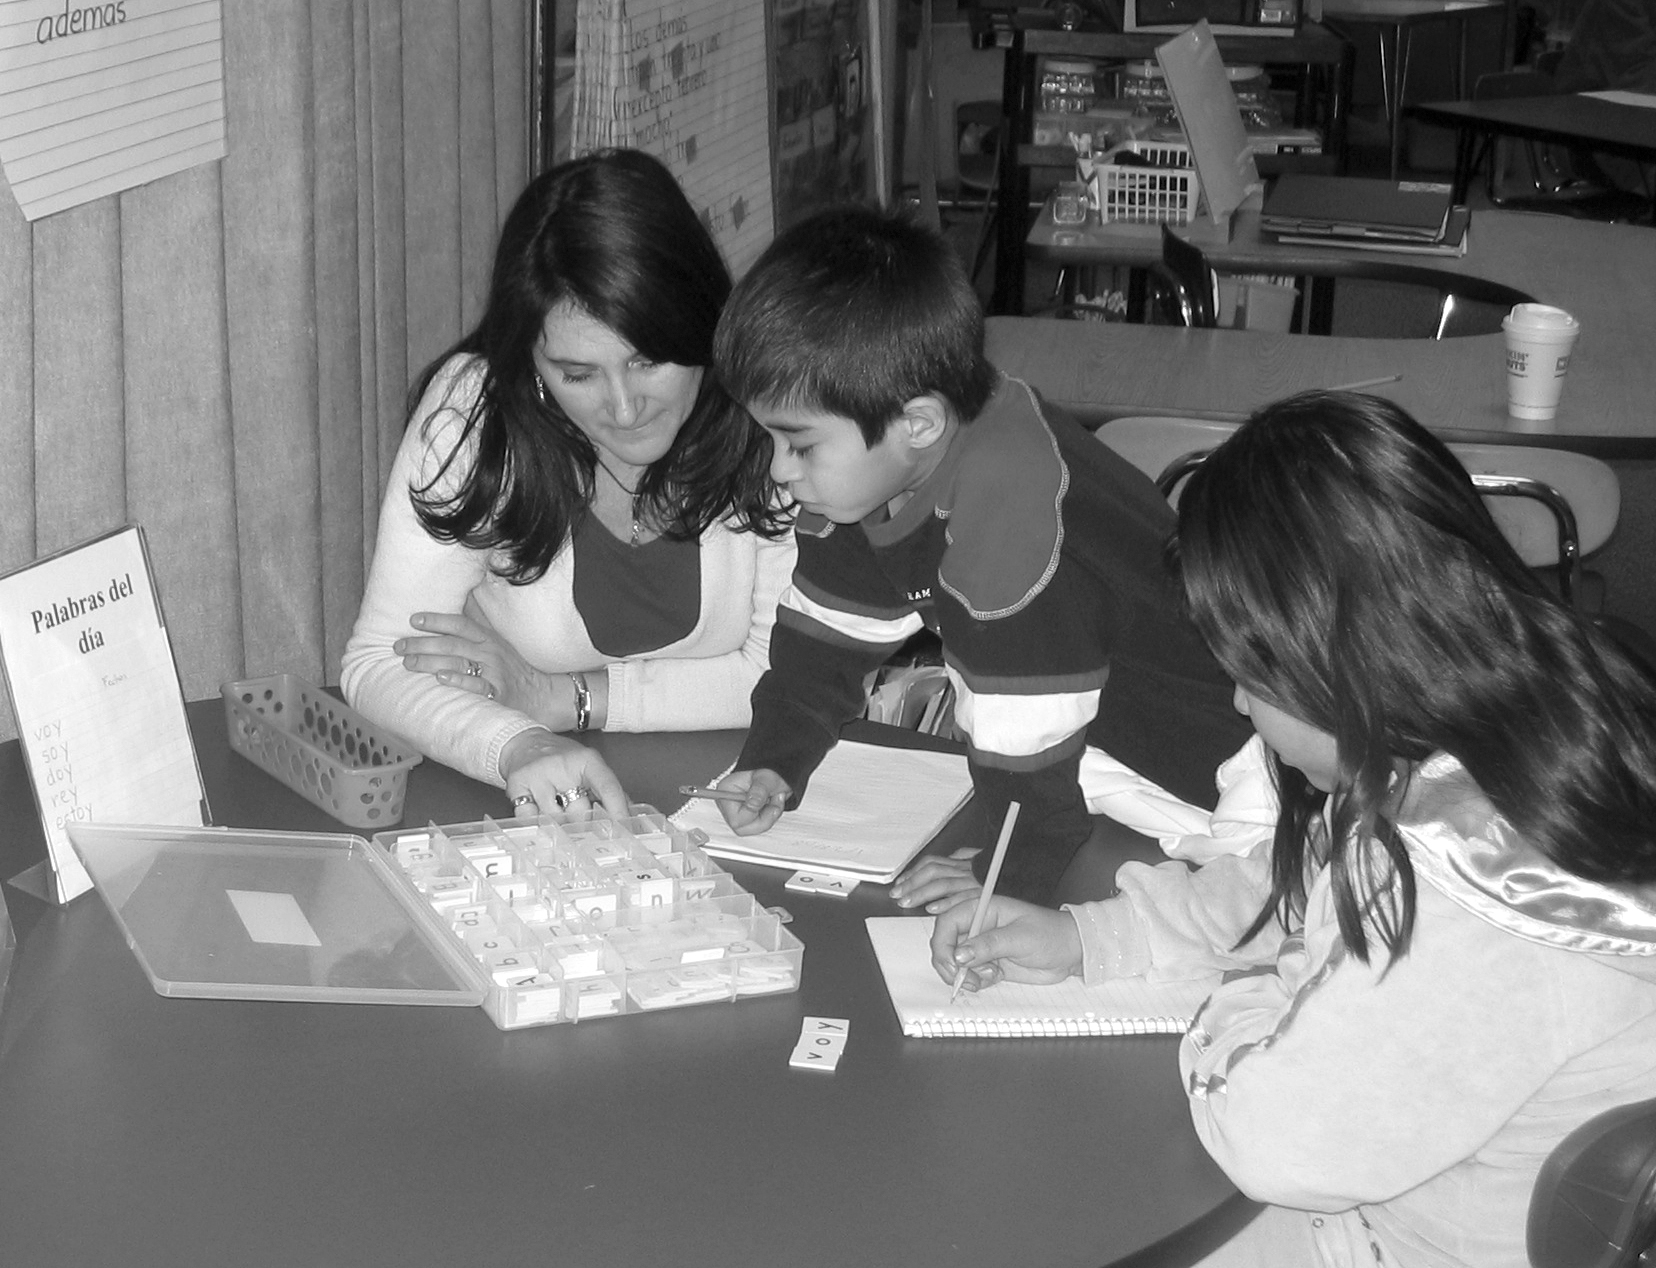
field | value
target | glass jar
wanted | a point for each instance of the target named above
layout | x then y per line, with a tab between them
1067	86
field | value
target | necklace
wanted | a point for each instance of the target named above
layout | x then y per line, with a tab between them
632	539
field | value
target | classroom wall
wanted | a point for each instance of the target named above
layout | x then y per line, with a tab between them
223	356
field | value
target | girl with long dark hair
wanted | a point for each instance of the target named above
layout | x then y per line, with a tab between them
1448	953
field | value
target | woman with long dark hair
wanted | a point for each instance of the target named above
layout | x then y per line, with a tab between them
579	532
1448	954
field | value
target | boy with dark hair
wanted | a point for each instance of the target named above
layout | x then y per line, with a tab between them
934	492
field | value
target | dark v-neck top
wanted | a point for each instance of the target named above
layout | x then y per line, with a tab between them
634	599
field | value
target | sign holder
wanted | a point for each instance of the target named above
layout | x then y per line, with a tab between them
94	687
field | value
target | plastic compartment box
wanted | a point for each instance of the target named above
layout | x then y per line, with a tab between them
320	747
571	920
540	920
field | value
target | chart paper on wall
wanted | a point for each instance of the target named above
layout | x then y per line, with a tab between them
97	98
685	80
95	690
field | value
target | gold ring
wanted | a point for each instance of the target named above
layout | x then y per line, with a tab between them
524	799
473	669
568	795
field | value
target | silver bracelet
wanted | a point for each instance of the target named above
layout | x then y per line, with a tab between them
583	702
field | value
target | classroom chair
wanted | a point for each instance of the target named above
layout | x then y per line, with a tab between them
1184	285
1553	505
1528	175
1594	1201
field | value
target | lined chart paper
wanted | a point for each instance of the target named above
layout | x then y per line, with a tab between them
687	81
99	708
97	98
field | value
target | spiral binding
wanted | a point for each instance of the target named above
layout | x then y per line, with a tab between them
1044	1028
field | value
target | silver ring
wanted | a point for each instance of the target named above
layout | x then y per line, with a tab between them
524	799
488	690
473	669
568	795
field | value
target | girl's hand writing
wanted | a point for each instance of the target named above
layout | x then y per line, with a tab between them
546	767
767	793
1019	942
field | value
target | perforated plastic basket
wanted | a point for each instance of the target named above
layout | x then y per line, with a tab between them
1165	191
320	747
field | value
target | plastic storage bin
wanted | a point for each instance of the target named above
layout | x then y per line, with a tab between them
539	920
1159	186
320	747
566	921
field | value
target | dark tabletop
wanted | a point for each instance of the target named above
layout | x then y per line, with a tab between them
137	1130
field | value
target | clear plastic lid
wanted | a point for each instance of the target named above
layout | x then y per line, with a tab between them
230	914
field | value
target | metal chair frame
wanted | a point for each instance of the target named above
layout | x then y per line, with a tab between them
1146	443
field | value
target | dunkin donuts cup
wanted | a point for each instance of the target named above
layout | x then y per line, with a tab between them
1538	344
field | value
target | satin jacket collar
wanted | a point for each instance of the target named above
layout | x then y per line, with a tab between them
1469	853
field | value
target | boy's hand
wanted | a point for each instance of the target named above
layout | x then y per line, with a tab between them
1019	942
767	792
938	883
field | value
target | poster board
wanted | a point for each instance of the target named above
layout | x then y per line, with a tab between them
99	98
685	80
95	690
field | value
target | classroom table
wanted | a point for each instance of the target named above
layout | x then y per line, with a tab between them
1604	126
1396	21
1599	272
142	1131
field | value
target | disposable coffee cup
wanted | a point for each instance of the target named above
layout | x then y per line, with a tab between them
1539	340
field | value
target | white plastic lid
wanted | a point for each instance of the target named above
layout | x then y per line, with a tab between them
1540	317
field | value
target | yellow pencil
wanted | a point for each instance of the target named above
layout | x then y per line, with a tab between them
988	888
1363	383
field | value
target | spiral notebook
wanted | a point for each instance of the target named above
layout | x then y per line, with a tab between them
869	810
1014	1010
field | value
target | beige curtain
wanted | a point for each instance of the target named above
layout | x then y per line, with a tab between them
223	356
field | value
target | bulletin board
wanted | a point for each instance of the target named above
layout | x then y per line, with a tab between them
765	112
825	79
685	80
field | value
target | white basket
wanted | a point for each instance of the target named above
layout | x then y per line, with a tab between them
1166	191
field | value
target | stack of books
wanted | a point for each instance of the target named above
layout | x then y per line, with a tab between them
1374	215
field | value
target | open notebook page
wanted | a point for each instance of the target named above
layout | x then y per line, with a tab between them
867	811
1016	1010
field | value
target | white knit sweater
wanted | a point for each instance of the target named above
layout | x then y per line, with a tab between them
702	681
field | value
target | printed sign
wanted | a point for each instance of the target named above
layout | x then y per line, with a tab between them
97	98
96	694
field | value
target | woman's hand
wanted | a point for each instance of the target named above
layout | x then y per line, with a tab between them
559	774
1019	942
937	882
767	794
453	647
